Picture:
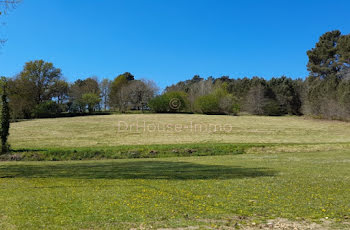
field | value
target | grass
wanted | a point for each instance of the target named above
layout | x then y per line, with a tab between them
110	131
293	170
207	191
165	135
163	151
124	152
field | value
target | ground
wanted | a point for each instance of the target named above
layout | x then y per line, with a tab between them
303	186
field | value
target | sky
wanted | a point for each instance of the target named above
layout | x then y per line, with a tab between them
169	40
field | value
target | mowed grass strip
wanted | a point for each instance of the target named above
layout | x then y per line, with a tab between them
204	191
153	129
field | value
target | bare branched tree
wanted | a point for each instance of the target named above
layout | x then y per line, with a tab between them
5	7
255	100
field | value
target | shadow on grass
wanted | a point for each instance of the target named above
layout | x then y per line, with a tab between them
132	170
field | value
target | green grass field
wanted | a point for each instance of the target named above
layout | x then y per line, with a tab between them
266	172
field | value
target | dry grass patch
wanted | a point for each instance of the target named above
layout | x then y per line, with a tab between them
110	130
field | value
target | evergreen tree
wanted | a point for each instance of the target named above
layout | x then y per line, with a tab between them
5	120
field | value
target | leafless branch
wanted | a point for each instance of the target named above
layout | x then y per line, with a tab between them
6	5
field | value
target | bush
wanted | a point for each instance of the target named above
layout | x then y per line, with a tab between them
169	102
228	104
46	110
218	102
159	104
208	104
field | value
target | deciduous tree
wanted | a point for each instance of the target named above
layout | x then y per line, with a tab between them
41	76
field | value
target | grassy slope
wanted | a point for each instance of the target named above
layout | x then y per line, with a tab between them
207	191
293	168
105	137
102	131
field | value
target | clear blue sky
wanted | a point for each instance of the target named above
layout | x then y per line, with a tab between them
169	40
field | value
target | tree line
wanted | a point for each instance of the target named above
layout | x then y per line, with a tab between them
39	90
325	93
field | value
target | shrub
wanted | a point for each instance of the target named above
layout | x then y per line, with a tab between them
169	102
208	104
228	104
218	102
47	109
159	104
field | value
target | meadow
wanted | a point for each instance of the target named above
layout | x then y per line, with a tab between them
281	172
116	130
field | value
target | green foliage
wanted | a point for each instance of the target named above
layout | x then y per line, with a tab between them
118	94
60	89
78	89
47	109
327	86
129	152
159	104
344	94
208	104
38	82
91	100
118	82
169	102
40	77
218	102
288	98
344	49
272	108
5	118
323	58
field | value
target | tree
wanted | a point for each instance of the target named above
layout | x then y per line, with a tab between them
41	77
255	100
140	93
60	90
287	95
39	82
78	89
198	89
118	95
91	100
326	87
330	55
5	6
90	85
344	49
5	118
105	88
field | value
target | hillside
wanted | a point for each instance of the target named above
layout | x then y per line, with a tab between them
110	130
